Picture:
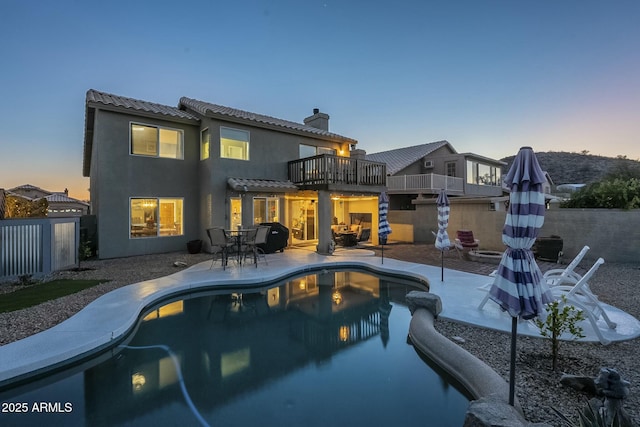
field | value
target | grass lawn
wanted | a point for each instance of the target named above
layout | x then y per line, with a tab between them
37	294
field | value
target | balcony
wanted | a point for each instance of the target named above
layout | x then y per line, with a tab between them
429	183
335	173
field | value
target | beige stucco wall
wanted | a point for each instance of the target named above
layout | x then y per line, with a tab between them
612	234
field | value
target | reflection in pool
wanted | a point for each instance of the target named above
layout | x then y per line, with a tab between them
328	348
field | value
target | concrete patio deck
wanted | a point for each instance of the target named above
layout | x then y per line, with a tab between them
113	315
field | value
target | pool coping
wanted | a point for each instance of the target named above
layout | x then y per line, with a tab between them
109	319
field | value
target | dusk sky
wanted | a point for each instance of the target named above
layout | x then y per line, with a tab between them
487	76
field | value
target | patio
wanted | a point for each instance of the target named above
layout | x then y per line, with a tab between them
112	315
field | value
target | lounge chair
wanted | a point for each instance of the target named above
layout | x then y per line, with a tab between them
580	296
559	276
465	241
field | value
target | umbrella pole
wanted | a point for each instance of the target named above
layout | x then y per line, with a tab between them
382	253
512	374
442	266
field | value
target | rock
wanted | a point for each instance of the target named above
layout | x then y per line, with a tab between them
458	339
609	384
491	411
419	299
579	383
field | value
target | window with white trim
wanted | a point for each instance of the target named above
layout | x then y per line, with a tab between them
311	150
483	174
156	141
155	217
265	209
234	144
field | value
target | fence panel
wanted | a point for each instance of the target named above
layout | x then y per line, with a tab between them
38	246
20	249
64	249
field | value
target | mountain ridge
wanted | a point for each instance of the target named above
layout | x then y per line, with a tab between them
577	168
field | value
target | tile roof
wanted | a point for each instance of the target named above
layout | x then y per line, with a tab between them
208	109
63	198
246	184
107	99
28	187
400	158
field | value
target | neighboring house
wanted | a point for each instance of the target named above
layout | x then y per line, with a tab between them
569	188
425	169
60	205
160	176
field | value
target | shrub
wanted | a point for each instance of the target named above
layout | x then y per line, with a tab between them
559	321
614	193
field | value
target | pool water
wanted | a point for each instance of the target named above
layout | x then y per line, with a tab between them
324	349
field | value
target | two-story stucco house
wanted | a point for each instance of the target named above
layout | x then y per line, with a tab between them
427	168
161	175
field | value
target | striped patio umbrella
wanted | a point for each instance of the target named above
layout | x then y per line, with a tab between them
442	238
383	224
519	287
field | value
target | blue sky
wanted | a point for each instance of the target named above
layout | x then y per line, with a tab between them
488	76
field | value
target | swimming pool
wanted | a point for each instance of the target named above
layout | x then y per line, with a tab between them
325	348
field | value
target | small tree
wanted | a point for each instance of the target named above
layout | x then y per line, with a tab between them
19	207
559	321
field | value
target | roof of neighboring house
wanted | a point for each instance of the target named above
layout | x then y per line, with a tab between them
63	198
483	158
227	113
28	187
400	158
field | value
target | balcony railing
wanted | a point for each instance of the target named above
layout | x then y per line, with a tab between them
428	183
326	169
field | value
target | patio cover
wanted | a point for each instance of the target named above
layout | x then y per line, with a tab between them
261	185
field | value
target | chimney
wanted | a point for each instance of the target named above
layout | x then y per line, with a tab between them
318	120
357	153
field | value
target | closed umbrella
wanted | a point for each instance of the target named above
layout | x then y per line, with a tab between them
383	224
442	238
519	287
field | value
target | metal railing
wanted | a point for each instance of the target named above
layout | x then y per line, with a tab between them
330	169
424	182
38	246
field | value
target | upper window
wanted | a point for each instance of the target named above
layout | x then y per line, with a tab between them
307	151
156	141
451	168
312	150
326	150
482	174
205	142
234	144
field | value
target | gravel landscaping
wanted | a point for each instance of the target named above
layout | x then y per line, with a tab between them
537	387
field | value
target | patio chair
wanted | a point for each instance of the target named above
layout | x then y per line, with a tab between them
338	240
261	235
220	244
465	241
247	241
365	235
558	276
580	296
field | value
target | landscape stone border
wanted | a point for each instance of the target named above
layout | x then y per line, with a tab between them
490	391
